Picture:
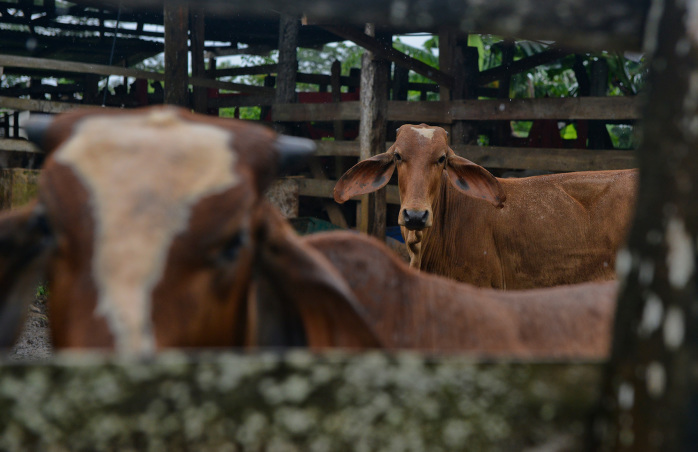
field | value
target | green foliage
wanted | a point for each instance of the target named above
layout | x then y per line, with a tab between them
42	291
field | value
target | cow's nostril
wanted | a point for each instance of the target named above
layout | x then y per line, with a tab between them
415	219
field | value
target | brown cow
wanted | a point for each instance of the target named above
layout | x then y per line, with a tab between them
149	228
461	222
409	309
138	263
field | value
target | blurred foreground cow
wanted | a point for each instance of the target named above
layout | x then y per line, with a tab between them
152	230
461	222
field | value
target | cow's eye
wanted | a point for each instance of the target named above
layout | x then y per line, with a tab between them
398	157
441	159
231	249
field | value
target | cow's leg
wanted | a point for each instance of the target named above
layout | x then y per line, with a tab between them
414	248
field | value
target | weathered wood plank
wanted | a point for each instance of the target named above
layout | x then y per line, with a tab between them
346	111
524	64
323	189
387	51
176	19
590	25
100	69
609	108
606	108
12	144
197	35
547	159
36	105
375	79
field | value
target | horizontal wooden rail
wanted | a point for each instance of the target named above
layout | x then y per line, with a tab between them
570	108
36	105
14	144
99	69
322	188
543	159
546	159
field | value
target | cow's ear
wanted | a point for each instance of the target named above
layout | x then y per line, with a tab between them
366	176
24	243
474	180
305	282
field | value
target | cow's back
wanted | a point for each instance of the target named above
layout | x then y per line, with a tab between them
413	310
552	230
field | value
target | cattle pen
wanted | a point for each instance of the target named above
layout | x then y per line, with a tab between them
57	56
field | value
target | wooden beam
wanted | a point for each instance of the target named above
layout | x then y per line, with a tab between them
78	68
18	145
522	65
591	24
100	69
610	108
387	51
318	188
568	108
375	77
36	105
247	70
241	101
176	19
197	34
547	159
289	26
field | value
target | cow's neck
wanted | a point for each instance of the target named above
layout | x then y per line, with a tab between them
456	219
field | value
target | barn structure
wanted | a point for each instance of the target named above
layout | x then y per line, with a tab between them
397	402
59	55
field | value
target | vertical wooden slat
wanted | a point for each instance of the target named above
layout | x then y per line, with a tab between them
335	74
447	49
372	133
176	18
288	64
465	69
598	135
401	78
197	30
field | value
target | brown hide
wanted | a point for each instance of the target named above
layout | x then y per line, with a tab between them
504	233
413	310
154	229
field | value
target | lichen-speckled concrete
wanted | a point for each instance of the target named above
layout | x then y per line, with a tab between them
17	187
293	402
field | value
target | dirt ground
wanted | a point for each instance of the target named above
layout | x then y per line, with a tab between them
34	343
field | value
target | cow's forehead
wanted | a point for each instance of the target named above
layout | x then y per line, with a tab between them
144	174
422	139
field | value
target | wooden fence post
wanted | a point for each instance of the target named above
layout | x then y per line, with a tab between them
375	74
197	33
288	64
176	17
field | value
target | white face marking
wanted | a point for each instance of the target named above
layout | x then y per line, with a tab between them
144	174
426	133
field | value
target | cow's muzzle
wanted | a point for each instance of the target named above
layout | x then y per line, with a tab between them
416	219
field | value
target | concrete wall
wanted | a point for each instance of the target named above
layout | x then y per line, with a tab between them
295	402
17	187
